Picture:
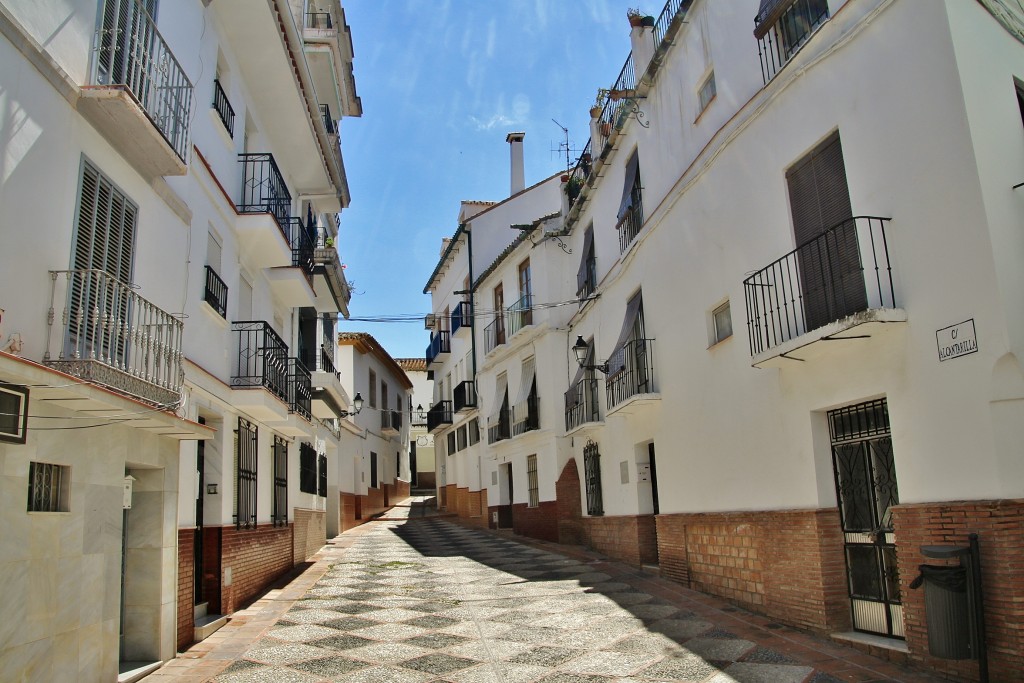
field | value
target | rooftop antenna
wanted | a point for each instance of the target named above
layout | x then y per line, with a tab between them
564	146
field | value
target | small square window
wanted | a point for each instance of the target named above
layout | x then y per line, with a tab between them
723	322
13	413
707	91
49	487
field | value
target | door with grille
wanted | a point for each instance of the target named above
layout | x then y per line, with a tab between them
865	477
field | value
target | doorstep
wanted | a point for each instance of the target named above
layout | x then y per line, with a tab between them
129	672
207	625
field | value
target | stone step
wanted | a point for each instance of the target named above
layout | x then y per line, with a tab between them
200	610
206	626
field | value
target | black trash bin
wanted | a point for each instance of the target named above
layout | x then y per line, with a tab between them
947	612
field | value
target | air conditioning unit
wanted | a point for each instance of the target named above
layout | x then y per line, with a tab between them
430	321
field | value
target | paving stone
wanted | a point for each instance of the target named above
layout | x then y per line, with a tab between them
498	671
302	633
391	631
431	621
764	655
721	649
562	677
681	629
488	650
267	674
438	663
609	663
388	653
310	616
387	674
546	656
437	641
346	641
687	668
350	623
285	654
330	667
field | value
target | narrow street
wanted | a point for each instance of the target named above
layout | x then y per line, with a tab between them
414	598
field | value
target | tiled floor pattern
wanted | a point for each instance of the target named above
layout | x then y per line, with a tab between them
430	601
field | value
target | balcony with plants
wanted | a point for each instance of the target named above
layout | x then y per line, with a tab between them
138	95
101	330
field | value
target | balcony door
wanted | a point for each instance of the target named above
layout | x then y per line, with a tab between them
831	276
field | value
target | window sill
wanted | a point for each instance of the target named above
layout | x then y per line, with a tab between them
721	341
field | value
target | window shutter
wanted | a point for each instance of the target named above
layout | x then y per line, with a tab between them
588	246
767	14
632	168
617	360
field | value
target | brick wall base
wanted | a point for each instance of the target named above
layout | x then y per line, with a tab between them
401	490
426	480
349	506
256	557
1000	528
186	586
536	522
570	505
450	497
630	538
787	564
373	502
310	533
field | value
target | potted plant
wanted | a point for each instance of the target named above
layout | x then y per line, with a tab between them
635	16
647	21
573	187
329	243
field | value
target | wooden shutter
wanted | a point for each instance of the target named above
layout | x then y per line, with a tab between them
831	276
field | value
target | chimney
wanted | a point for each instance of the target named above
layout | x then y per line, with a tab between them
515	141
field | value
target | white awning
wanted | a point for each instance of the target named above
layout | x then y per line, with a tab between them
499	396
617	360
526	380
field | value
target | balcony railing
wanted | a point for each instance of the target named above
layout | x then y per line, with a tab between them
319	20
223	107
390	421
520	314
440	343
777	45
465	395
264	189
499	427
325	361
843	271
300	389
668	14
216	293
302	241
631	223
494	334
526	416
439	415
262	358
579	174
329	124
462	316
131	53
106	333
637	373
581	403
618	106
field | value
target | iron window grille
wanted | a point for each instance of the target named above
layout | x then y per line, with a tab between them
321	486
307	468
532	483
860	421
223	107
300	389
216	293
48	487
592	474
245	474
279	514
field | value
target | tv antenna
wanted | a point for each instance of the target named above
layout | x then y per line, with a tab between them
564	146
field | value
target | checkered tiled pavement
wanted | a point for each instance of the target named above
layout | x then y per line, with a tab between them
426	600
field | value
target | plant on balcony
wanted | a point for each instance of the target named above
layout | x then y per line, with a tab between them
573	187
329	243
635	16
647	21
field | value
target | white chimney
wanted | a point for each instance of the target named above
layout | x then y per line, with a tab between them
515	141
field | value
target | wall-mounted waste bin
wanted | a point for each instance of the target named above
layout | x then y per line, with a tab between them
946	610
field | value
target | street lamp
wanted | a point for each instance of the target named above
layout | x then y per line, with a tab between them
581	350
357	403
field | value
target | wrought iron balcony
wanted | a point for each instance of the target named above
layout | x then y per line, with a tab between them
637	373
300	389
618	106
581	403
106	333
780	37
329	124
465	396
132	55
631	223
494	333
264	189
319	20
262	358
216	293
440	344
499	427
526	416
439	415
223	107
390	421
843	271
302	241
462	317
520	314
325	361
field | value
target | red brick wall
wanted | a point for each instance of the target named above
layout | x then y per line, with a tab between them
630	538
448	497
1000	528
211	568
310	533
349	516
570	505
538	522
401	490
186	586
787	564
372	503
257	557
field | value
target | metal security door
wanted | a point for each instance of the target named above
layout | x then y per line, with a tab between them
865	476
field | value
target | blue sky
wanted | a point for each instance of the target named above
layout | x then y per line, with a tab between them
442	82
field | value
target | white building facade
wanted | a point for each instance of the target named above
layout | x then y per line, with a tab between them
182	162
799	365
422	465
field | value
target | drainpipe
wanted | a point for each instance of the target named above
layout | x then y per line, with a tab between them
472	303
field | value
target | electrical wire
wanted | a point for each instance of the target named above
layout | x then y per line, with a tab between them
477	313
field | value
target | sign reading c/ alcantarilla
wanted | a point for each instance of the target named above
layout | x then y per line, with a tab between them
957	340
